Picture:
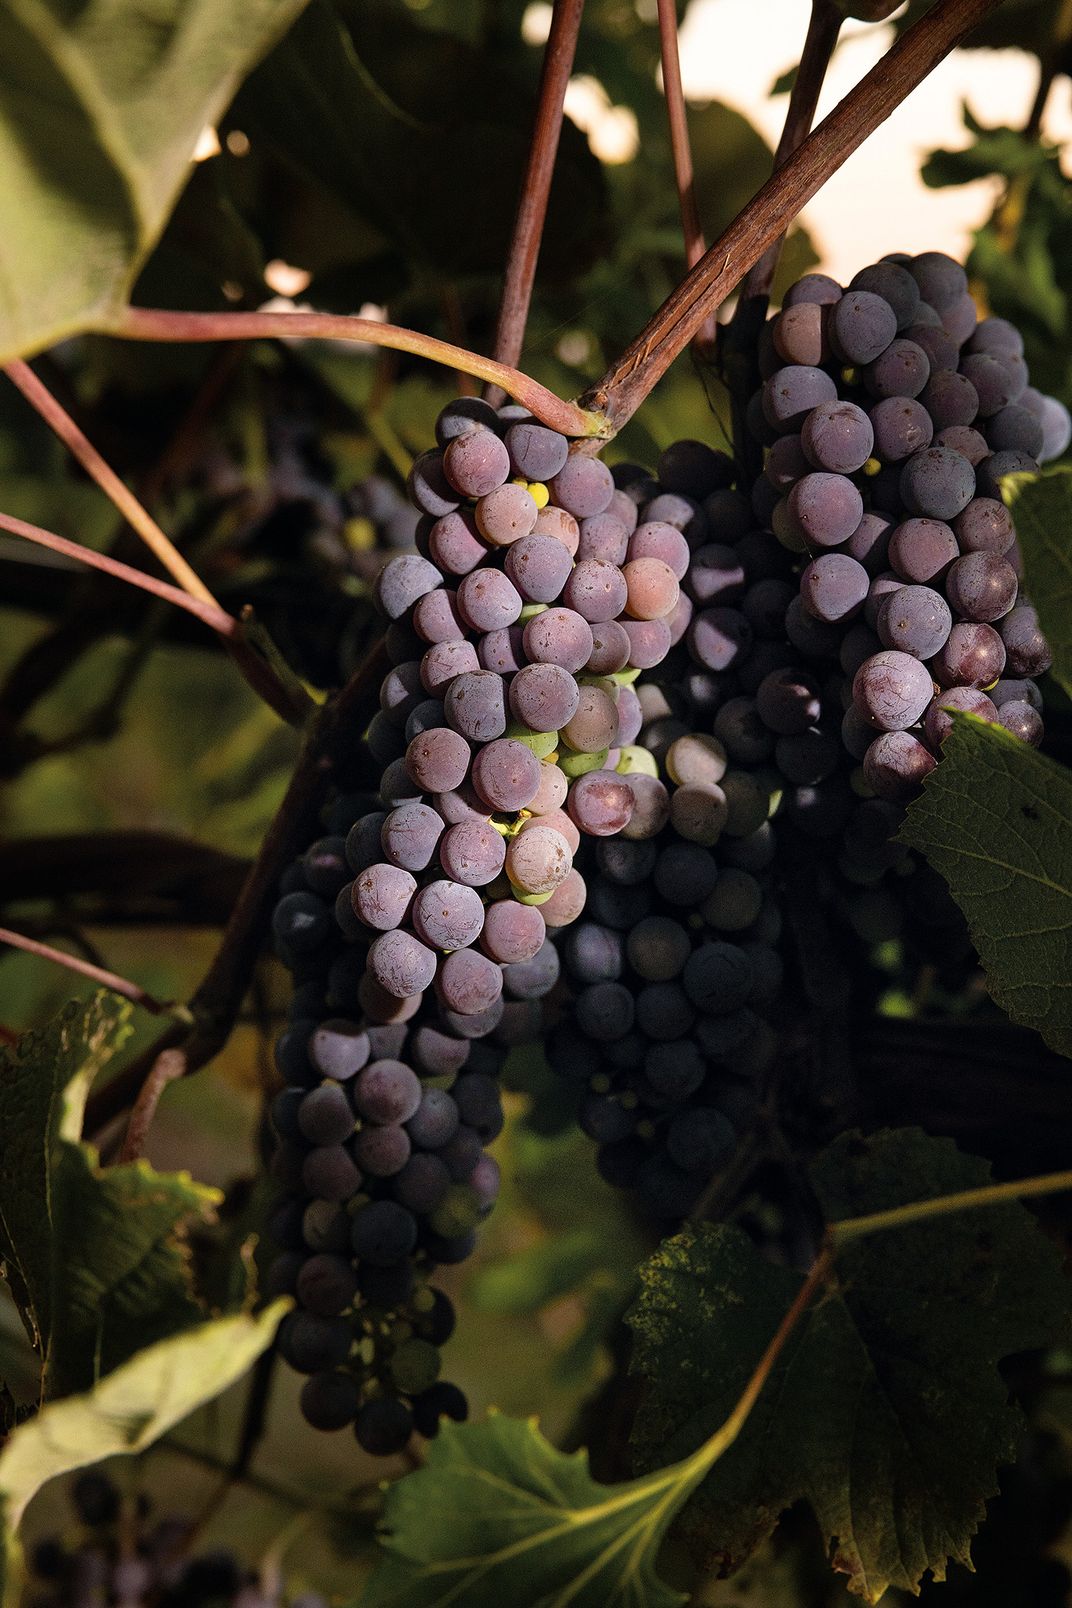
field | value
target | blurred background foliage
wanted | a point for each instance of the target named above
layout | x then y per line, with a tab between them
373	159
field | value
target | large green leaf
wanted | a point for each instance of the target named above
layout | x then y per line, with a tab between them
497	1515
128	1410
995	818
95	1255
101	105
886	1411
1042	508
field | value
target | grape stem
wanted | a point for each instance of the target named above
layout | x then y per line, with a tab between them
80	447
535	189
97	974
286	703
216	1001
677	119
154	324
738	339
919	50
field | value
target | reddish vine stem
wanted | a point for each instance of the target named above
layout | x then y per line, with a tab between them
739	338
536	187
677	118
215	1002
154	324
78	444
167	1067
639	369
85	968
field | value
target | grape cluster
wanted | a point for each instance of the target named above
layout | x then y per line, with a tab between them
418	930
890	415
117	1556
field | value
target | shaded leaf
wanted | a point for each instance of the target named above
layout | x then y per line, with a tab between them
995	819
497	1515
886	1411
1042	508
97	1263
131	1408
101	106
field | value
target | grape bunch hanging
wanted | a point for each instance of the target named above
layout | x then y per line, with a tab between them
614	699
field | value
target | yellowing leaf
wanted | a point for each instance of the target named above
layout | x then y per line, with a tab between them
1041	505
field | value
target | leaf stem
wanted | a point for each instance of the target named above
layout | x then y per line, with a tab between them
98	974
851	1228
535	188
153	324
78	444
677	119
919	50
169	1065
210	612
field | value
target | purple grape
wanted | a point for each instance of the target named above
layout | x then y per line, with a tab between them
799	334
435	617
600	802
502	651
448	915
465	413
1013	689
505	515
381	896
981	586
903	369
422	1183
559	636
717	575
428	487
984	526
595	590
825	509
382	1151
693	469
818	288
512	932
610	649
488	600
791	393
914	620
472	852
896	764
475	463
1022	721
325	1116
474	705
891	690
942	282
950	399
654	539
544	697
469	982
401	690
338	1049
535	451
454	543
870	541
922	550
861	326
400	964
960	319
438	760
649	642
719	638
1057	429
423	716
788	702
834	587
811	637
538	567
894	284
402	581
1015	428
1027	650
604	536
941	349
445	660
506	774
387	1091
937	723
966	440
992	469
993	381
901	426
326	1285
583	486
409	835
937	482
384	1234
973	656
836	436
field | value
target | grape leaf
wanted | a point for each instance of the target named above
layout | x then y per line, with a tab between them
497	1515
995	819
1042	508
886	1410
95	1255
128	1410
101	105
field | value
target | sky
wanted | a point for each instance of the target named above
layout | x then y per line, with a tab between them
876	202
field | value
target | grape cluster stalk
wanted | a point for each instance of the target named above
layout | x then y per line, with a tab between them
616	701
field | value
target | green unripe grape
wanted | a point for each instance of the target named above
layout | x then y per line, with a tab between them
542	743
573	765
456	1213
415	1366
636	761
